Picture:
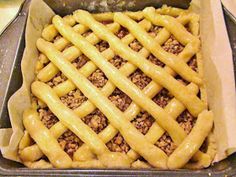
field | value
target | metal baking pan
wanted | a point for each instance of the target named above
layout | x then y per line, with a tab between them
11	50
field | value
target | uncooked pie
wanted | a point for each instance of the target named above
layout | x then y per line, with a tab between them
119	90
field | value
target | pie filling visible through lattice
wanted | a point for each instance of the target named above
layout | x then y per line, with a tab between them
119	90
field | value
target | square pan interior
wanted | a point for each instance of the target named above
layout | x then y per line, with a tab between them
7	167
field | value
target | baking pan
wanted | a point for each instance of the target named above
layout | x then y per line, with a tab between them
11	51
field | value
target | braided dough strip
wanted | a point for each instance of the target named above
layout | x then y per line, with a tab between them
135	139
171	60
42	136
191	101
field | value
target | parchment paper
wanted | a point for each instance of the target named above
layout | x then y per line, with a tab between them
231	6
39	16
218	74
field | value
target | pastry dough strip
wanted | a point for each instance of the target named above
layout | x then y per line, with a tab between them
135	139
42	136
171	60
191	101
193	142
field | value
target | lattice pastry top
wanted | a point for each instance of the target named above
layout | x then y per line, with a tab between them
119	90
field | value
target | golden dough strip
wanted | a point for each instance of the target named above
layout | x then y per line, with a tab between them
122	82
191	101
42	136
193	141
135	139
171	60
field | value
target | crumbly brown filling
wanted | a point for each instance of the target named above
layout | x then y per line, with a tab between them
135	45
69	142
118	144
101	46
58	79
154	30
186	121
96	120
122	33
120	99
166	144
73	99
140	79
173	46
193	63
47	117
87	33
143	122
162	98
80	61
117	61
98	78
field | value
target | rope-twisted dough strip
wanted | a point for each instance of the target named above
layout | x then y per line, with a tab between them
114	115
191	101
84	43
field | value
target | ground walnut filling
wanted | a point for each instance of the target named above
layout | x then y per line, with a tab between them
97	120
